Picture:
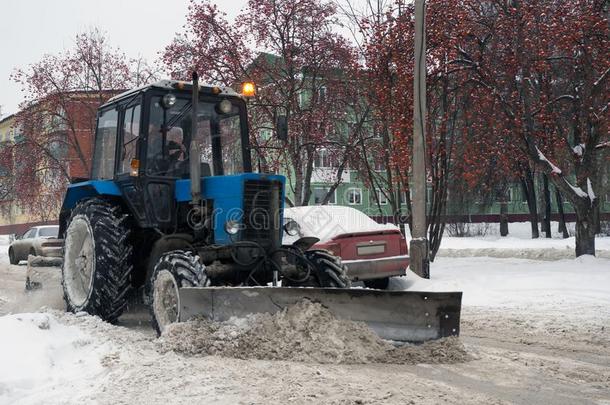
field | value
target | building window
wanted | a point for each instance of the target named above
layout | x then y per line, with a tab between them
322	94
354	196
403	198
319	193
265	134
507	197
322	159
302	99
381	197
523	197
379	165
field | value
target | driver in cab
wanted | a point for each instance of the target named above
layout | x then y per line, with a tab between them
173	161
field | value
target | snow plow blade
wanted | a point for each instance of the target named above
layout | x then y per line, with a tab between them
403	316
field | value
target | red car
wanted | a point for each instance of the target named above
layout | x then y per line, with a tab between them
372	252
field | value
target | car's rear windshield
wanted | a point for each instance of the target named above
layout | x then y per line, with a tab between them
51	231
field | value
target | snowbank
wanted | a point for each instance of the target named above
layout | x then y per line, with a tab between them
303	332
44	361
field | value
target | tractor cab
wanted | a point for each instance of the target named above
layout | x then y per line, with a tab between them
144	141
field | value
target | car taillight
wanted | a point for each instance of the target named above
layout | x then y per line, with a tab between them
335	248
403	246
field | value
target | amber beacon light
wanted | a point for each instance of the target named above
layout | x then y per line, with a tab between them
248	89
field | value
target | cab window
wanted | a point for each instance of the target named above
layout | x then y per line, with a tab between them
131	134
105	145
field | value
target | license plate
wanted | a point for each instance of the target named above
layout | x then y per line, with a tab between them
371	249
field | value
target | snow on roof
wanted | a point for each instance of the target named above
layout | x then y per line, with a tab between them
328	221
541	156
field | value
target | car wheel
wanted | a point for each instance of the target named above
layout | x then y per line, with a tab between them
11	257
378	284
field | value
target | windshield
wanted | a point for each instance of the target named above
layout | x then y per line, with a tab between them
50	231
169	138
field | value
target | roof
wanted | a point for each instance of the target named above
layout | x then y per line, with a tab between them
176	85
8	117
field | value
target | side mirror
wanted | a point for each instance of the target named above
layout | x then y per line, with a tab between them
281	127
12	237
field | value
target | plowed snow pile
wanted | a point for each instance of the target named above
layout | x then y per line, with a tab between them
305	332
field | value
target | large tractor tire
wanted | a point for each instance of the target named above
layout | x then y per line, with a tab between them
328	271
173	270
97	262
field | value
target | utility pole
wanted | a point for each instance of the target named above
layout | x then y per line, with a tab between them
419	263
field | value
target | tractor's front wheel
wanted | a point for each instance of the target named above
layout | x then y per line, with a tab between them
328	271
174	270
97	262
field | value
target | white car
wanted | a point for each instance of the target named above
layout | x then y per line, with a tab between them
37	241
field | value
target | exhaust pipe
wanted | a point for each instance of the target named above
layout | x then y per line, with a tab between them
194	149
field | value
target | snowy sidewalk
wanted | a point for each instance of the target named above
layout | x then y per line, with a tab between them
518	243
517	283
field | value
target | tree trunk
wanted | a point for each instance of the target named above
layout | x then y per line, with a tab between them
585	232
503	218
547	206
562	218
527	184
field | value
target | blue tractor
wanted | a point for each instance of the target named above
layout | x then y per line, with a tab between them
174	210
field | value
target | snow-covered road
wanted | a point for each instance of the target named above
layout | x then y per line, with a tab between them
538	330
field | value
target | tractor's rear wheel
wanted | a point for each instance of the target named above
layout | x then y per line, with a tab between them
97	262
328	271
174	270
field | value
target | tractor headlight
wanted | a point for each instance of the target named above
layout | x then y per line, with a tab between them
225	107
168	100
232	227
292	228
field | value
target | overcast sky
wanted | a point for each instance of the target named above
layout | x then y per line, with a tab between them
31	28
